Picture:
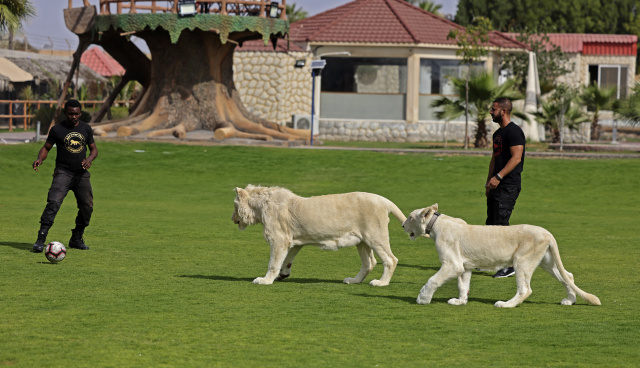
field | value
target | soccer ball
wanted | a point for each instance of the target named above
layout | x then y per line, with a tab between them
55	251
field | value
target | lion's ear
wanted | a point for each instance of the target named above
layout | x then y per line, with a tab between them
241	192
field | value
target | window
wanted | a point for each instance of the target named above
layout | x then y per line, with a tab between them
435	75
364	88
365	75
610	76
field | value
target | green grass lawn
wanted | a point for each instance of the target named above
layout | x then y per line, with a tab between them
167	281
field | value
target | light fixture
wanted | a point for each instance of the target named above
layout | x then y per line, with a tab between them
300	63
187	8
318	64
273	10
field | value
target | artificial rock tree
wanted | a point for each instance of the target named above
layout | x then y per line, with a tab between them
188	81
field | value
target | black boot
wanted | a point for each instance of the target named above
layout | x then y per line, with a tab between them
38	247
77	241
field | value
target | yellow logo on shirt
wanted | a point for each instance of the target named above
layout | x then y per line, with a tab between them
74	142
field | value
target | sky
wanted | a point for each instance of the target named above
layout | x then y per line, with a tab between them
48	28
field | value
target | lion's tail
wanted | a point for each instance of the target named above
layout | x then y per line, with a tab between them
395	211
590	298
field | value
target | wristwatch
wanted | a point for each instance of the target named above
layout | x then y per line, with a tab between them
499	177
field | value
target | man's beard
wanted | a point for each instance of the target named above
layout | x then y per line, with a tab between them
497	119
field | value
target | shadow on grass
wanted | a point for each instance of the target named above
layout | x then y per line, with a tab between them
475	273
250	279
418	267
412	299
21	246
218	278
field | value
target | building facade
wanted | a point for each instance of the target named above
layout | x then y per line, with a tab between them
387	61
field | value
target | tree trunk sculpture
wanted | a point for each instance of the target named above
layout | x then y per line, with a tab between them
189	81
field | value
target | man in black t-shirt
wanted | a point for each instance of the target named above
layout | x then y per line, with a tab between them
503	182
71	137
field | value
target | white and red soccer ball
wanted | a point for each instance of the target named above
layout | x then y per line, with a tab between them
55	251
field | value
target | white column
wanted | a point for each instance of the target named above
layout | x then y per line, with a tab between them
413	89
530	103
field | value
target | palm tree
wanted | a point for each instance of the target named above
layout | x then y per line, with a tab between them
483	89
294	15
629	108
427	5
551	115
13	13
597	99
430	6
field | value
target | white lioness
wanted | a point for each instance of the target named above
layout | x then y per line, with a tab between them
462	248
329	221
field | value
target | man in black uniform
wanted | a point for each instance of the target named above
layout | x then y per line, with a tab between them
72	137
503	182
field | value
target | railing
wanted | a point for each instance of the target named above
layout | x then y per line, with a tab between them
259	8
36	104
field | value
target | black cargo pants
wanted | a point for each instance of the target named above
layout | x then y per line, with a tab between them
63	182
500	204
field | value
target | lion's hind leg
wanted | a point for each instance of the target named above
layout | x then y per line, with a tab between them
524	270
549	265
389	262
368	262
285	270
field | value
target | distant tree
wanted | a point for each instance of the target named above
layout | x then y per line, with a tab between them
597	99
628	109
295	14
471	47
82	93
427	5
560	111
562	16
14	12
557	16
552	62
481	89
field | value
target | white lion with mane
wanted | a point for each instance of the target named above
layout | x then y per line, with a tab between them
462	248
330	221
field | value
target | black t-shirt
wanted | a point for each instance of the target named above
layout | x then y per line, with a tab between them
71	143
503	140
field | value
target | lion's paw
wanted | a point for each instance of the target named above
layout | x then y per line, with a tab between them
262	281
567	302
456	301
378	283
501	304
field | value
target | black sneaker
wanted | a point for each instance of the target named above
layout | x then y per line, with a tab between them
77	240
38	246
505	272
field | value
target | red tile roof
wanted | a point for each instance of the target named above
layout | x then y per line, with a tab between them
382	21
592	44
101	62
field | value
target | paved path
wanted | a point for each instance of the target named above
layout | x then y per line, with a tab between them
623	150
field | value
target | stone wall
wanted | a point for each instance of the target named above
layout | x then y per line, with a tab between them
270	86
390	131
400	131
